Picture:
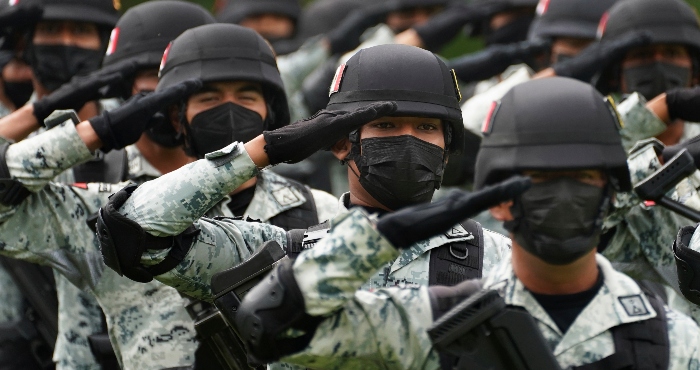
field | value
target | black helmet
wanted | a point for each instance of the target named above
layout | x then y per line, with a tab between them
568	18
237	10
322	16
667	21
552	124
101	12
144	31
416	79
19	15
226	52
406	4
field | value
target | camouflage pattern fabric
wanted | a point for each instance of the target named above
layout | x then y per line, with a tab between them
11	299
387	328
412	266
295	67
49	228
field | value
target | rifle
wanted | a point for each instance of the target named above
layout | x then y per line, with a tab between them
483	333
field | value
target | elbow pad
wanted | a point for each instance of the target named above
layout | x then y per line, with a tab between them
12	192
123	242
687	265
268	311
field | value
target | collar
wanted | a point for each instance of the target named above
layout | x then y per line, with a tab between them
456	234
274	194
619	301
140	169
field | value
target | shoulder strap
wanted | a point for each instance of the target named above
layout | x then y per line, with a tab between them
300	217
452	263
640	345
111	168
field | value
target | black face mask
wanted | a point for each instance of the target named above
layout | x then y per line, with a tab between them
653	79
220	126
54	65
512	32
559	220
18	92
399	170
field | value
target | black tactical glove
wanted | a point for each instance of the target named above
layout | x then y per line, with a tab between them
82	89
346	36
124	125
599	54
443	27
293	143
413	224
684	103
495	59
693	146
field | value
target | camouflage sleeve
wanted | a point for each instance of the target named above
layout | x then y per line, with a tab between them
331	272
386	329
220	244
37	160
296	66
171	203
49	228
364	329
496	248
638	122
684	339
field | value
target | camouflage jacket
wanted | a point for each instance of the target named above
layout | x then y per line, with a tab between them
387	329
168	205
50	228
141	341
412	266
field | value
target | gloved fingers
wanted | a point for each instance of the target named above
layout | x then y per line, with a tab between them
172	94
476	202
125	69
631	40
363	115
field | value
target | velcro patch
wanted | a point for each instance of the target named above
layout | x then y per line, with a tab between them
634	305
285	197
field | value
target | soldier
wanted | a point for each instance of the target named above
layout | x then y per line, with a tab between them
395	155
79	313
590	315
207	117
275	20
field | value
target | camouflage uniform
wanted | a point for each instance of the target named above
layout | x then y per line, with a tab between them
295	67
641	245
387	328
11	299
168	205
49	228
76	255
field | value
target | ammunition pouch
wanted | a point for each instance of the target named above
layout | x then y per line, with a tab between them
12	192
123	242
687	265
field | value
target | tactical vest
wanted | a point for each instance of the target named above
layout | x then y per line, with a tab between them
300	217
641	345
110	168
450	264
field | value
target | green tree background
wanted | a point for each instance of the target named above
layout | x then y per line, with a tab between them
459	46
